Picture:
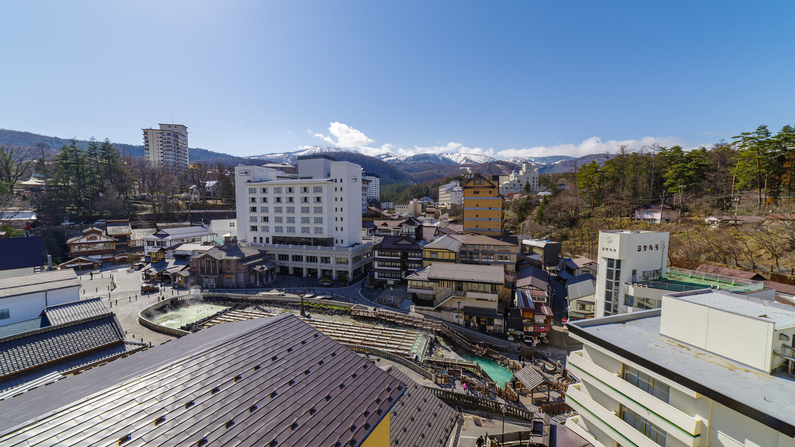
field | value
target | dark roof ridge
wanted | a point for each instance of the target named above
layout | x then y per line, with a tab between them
56	326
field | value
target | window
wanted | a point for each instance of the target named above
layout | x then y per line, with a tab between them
264	209
265	229
277	209
264	218
305	209
253	228
290	209
298	258
264	190
291	220
278	219
318	210
5	314
290	189
311	259
304	189
318	230
318	199
252	218
291	229
252	209
643	425
646	383
318	220
305	230
278	200
342	261
277	190
317	189
278	229
612	284
252	200
325	260
252	190
264	199
284	257
291	200
304	199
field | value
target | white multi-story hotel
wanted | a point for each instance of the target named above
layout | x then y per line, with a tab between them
451	194
311	225
374	193
708	368
167	147
516	181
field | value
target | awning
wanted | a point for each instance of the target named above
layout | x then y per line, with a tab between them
481	312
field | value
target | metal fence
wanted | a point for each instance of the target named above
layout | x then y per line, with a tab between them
469	400
393	357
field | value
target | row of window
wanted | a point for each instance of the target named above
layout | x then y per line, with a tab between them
288	200
280	219
397	264
289	189
312	259
280	229
289	209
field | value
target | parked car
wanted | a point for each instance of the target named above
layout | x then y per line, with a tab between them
66	222
87	222
147	288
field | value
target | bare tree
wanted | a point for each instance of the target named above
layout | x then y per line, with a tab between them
770	242
15	163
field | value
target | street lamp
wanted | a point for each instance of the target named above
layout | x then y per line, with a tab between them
502	410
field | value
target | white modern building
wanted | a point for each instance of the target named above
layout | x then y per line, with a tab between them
167	147
708	368
168	237
311	225
223	227
374	193
24	297
627	256
516	181
451	194
366	185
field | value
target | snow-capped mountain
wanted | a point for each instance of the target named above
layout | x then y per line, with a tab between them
291	157
441	159
550	160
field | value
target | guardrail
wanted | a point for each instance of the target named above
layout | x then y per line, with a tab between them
479	402
393	357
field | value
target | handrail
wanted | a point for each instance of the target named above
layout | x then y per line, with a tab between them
486	404
393	357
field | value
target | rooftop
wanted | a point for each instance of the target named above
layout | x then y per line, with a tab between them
493	274
782	315
445	242
37	282
255	382
182	232
680	280
769	399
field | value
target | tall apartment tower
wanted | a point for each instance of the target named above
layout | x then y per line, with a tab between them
483	206
167	147
374	192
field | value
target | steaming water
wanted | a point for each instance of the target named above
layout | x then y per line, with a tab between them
188	314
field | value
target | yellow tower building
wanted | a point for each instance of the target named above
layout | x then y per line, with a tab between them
483	206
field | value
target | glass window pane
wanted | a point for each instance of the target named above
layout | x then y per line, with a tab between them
610	263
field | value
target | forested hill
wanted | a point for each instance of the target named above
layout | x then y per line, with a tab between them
14	137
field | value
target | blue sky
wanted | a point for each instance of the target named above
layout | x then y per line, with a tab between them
498	78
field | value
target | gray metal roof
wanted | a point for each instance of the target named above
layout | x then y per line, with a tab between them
492	274
38	282
532	277
445	242
258	382
76	310
419	419
582	285
183	232
637	335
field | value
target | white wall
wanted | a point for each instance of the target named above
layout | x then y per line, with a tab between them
30	305
223	226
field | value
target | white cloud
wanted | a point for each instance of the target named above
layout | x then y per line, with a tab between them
345	136
309	131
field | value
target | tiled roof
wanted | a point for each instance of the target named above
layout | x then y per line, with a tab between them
268	381
118	228
786	289
532	377
419	419
582	285
28	252
37	282
141	233
493	274
31	349
445	242
229	252
76	310
532	277
183	232
480	239
581	261
523	300
399	243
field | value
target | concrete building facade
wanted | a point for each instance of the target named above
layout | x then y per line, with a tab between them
167	147
708	368
515	182
311	225
374	193
451	194
483	206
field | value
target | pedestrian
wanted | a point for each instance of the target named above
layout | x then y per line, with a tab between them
480	441
465	388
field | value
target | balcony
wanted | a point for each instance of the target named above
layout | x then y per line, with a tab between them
577	425
606	421
676	423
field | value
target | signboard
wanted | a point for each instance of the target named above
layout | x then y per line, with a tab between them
390	282
543	328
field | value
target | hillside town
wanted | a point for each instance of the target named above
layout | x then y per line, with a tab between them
434	300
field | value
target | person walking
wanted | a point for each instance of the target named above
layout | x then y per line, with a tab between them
480	442
465	388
